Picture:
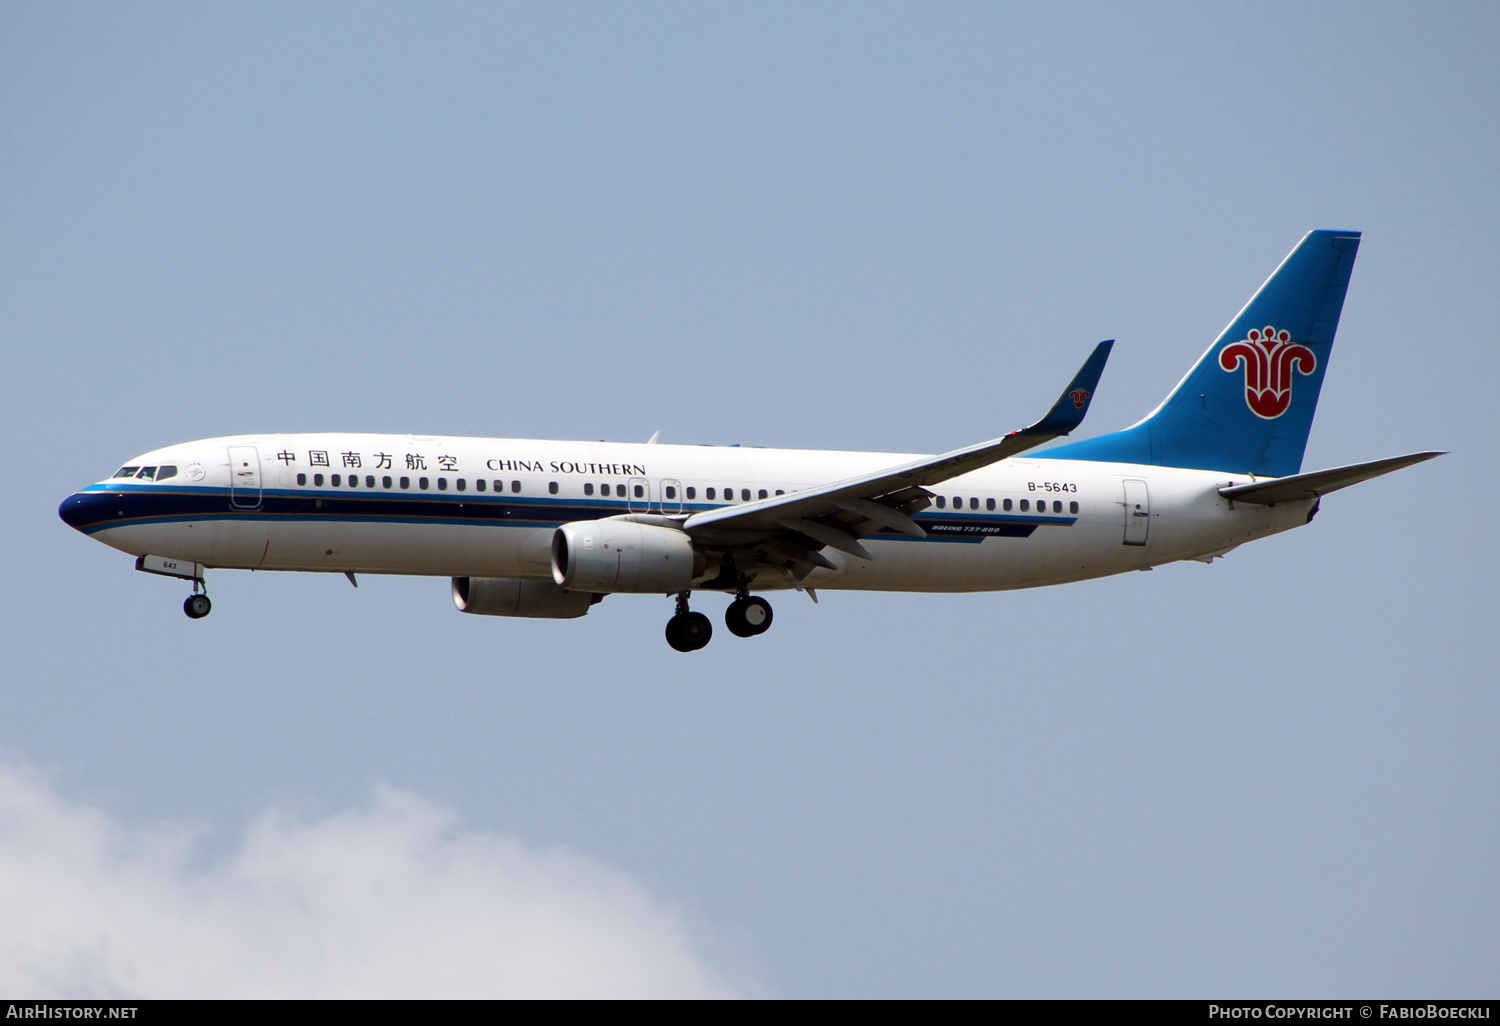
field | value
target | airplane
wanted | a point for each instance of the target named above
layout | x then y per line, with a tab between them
529	528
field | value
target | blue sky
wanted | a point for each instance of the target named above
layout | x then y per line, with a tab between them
893	227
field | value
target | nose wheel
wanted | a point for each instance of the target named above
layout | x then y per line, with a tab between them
748	616
197	606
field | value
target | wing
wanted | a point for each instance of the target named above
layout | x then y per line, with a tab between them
789	531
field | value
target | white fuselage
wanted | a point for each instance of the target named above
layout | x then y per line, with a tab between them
489	508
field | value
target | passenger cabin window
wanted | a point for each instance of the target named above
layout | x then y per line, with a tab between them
1007	505
671	491
462	484
1057	505
942	503
692	493
318	480
973	503
127	471
763	494
708	492
780	492
551	487
958	503
499	487
442	484
515	486
335	479
421	483
744	495
302	479
479	485
640	491
1025	505
369	480
353	480
989	504
1072	507
588	489
406	482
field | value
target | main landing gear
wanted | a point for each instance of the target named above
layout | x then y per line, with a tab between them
747	616
688	631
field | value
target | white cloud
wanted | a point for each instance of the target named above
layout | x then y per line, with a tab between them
383	902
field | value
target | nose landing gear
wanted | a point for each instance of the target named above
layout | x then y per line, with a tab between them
688	631
197	605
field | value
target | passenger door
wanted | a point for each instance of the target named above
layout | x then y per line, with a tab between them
244	477
640	495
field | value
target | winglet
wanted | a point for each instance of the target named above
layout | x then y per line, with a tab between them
1071	406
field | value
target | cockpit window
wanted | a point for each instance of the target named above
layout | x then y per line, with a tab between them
147	473
166	472
127	471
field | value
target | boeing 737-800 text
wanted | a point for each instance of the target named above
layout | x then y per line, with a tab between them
547	529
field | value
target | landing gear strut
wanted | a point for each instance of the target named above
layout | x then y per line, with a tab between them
748	615
688	631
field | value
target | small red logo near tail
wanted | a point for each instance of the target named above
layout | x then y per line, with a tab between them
1269	357
1079	396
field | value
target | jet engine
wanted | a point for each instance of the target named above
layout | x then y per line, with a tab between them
620	555
506	596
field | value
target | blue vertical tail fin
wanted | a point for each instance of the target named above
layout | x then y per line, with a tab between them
1247	405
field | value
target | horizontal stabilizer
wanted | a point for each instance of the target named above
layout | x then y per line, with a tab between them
1320	482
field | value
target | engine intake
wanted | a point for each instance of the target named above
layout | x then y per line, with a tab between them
506	596
622	556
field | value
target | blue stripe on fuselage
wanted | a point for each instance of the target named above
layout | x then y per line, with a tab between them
103	506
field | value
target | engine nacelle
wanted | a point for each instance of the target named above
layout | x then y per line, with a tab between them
506	596
619	555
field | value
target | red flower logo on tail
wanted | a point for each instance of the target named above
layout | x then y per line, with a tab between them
1079	397
1269	357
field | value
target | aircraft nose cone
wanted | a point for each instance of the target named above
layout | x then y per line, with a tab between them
81	509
